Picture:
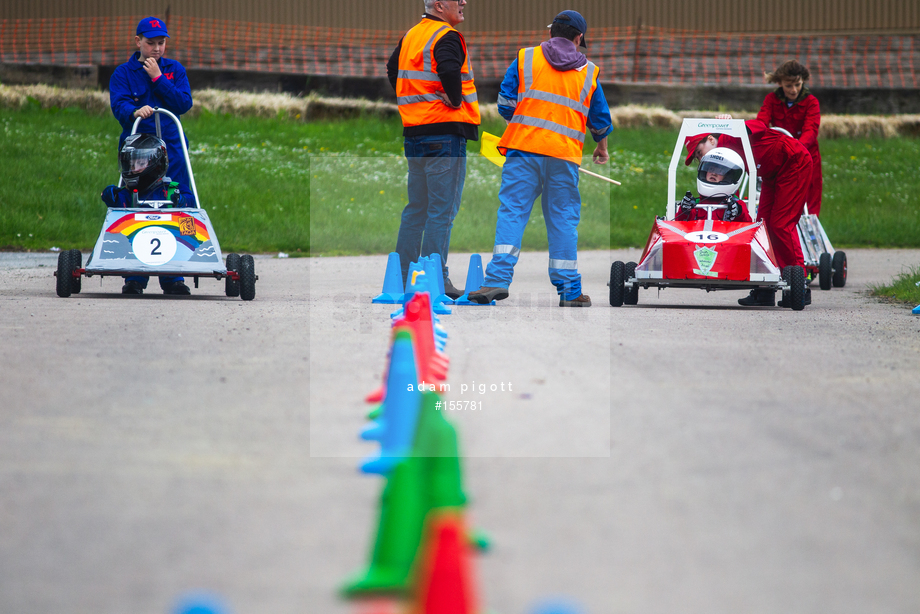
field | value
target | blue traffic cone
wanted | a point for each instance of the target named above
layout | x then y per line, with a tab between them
392	282
200	603
474	280
439	300
916	310
395	429
437	270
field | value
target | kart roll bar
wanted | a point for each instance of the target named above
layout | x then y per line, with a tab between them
188	164
691	127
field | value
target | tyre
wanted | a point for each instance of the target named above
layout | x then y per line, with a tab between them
796	294
631	294
76	261
840	269
232	286
247	278
824	271
64	273
617	277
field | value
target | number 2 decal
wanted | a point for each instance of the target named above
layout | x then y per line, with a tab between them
154	252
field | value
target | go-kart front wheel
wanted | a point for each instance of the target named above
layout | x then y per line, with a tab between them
825	272
617	288
76	261
794	297
840	269
631	295
65	273
232	286
247	277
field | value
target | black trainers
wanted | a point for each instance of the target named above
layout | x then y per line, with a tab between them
132	287
582	301
450	291
176	288
486	295
759	297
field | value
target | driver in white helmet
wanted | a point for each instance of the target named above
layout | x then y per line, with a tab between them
719	177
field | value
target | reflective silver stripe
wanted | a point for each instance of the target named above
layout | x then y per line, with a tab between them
418	75
548	125
672	228
504	101
528	69
707	226
426	52
468	98
507	249
555	99
589	74
571	265
417	98
745	229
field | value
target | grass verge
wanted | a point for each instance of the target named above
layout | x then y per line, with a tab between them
338	187
905	288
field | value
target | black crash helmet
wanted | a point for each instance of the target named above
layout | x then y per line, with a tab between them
143	161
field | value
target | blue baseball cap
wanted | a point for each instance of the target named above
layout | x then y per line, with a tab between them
152	27
575	20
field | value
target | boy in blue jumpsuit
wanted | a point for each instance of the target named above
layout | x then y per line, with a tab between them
143	161
526	175
149	80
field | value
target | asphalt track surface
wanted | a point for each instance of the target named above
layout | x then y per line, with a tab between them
684	455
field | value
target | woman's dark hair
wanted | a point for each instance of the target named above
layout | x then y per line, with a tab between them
790	69
563	30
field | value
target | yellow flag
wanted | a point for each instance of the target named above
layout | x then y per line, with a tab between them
488	147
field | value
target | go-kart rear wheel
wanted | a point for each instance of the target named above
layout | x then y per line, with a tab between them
232	286
65	273
825	271
840	269
76	261
617	289
795	296
631	295
247	277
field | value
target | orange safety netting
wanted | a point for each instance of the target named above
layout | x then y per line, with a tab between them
646	54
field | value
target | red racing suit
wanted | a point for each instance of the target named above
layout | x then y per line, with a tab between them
785	166
802	120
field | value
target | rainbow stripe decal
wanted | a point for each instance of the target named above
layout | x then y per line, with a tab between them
129	225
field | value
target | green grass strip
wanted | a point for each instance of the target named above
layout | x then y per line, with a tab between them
338	187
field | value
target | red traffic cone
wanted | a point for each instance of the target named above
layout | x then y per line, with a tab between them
444	580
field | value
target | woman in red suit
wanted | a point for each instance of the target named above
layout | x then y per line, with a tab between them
793	108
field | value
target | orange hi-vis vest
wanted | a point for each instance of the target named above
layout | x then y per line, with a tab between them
417	80
552	108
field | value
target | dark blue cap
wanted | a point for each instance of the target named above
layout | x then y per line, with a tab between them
152	27
575	20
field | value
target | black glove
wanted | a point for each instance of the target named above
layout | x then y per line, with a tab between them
178	199
109	196
732	209
687	203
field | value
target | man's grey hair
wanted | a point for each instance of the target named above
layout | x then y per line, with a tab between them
429	6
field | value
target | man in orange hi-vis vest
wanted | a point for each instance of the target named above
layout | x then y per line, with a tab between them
550	95
431	73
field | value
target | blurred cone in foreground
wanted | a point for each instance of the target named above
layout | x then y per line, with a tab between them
444	581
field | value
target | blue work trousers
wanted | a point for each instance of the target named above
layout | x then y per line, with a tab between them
437	169
524	178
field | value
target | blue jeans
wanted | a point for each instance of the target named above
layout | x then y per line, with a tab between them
525	177
437	169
